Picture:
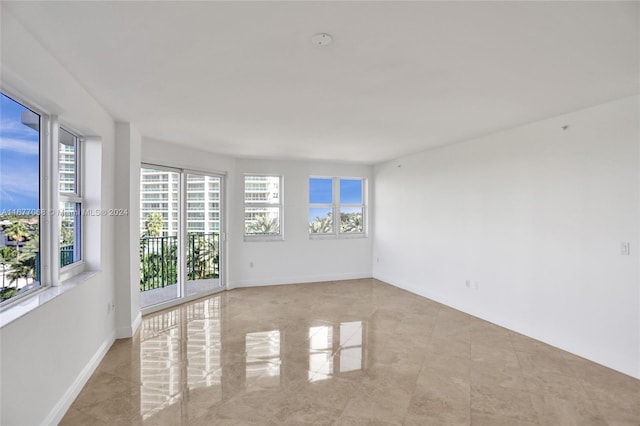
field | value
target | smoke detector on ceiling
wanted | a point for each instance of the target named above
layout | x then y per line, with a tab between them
322	39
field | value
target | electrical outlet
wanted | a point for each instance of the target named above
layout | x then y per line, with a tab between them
250	264
468	283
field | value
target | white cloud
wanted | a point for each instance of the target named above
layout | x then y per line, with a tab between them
8	125
20	146
17	184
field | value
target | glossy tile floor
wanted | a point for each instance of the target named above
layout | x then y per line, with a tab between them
347	353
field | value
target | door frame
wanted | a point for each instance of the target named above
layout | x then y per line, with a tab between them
182	241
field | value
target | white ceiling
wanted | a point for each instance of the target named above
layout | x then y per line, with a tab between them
243	78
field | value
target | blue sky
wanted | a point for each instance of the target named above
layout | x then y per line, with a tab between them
19	159
321	192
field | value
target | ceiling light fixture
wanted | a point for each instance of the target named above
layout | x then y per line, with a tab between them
321	39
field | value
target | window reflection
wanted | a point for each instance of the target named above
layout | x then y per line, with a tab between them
159	362
165	366
263	359
335	349
320	351
204	344
350	346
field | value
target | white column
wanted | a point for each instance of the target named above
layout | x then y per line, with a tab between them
127	229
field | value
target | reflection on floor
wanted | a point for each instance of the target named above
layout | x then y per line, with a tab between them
164	294
349	353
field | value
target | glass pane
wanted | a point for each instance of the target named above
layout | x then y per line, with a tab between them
67	162
203	234
351	191
159	218
70	214
262	221
320	220
351	219
19	199
262	189
320	190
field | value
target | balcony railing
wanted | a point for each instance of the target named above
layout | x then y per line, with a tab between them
66	255
159	259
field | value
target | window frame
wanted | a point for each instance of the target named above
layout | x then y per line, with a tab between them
51	273
253	204
336	207
76	197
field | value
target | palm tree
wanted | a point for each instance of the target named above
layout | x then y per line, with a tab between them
351	222
202	256
264	225
7	255
17	232
321	225
24	264
154	224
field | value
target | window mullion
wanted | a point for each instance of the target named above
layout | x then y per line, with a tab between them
50	234
336	205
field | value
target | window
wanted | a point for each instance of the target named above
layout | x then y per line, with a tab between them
262	206
20	201
70	199
28	260
336	206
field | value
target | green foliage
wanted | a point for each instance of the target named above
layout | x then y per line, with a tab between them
16	263
321	225
153	225
7	293
66	233
202	256
263	225
159	267
7	257
351	222
24	264
159	259
17	232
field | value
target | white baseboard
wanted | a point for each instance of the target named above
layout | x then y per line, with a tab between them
507	323
61	407
128	331
299	280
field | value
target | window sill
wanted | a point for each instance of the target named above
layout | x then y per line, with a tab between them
263	238
337	237
32	302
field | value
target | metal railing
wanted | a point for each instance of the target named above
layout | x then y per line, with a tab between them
66	255
159	259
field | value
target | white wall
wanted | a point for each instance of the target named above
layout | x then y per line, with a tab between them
535	215
294	260
297	258
127	254
46	354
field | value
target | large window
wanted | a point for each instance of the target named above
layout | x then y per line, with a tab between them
336	206
262	207
34	210
20	159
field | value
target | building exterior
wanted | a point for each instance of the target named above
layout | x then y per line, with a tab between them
159	194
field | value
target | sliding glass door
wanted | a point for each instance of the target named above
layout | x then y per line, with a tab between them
180	224
203	234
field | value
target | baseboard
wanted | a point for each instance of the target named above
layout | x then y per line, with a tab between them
299	280
61	407
128	331
507	323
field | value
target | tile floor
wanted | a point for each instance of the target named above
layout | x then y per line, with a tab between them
343	353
